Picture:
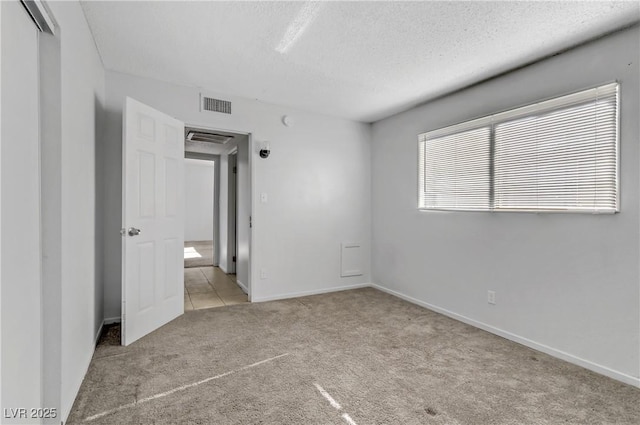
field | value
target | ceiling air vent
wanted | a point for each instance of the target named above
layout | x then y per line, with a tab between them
196	135
215	105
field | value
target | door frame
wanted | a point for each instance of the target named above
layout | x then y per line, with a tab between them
217	191
232	211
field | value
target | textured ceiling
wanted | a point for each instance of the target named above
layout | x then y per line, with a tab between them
357	60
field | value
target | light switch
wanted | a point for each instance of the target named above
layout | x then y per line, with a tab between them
263	198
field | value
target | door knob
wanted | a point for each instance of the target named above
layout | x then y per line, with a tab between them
133	231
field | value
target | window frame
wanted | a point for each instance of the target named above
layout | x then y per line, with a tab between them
491	121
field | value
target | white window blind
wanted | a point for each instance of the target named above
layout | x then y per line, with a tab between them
556	155
454	171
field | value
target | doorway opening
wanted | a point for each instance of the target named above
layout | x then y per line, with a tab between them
217	199
199	182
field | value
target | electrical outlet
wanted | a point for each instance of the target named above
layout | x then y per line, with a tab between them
263	273
491	297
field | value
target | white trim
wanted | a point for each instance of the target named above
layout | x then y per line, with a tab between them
207	125
252	215
312	292
97	338
603	370
111	320
242	286
42	354
66	410
230	150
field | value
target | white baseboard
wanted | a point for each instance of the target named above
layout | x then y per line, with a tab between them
603	370
111	320
66	410
96	338
312	292
242	286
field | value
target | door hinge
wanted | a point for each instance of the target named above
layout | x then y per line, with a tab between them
250	223
235	170
234	258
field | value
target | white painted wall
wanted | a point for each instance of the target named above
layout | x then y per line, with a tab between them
82	99
567	284
21	312
317	180
198	191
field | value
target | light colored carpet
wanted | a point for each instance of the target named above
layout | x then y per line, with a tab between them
361	353
200	253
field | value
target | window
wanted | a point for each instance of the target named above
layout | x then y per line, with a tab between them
556	155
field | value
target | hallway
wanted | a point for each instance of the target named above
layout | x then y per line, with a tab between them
208	287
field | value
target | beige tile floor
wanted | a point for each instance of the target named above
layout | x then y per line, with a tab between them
208	287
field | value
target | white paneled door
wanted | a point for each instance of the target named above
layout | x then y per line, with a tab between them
153	220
